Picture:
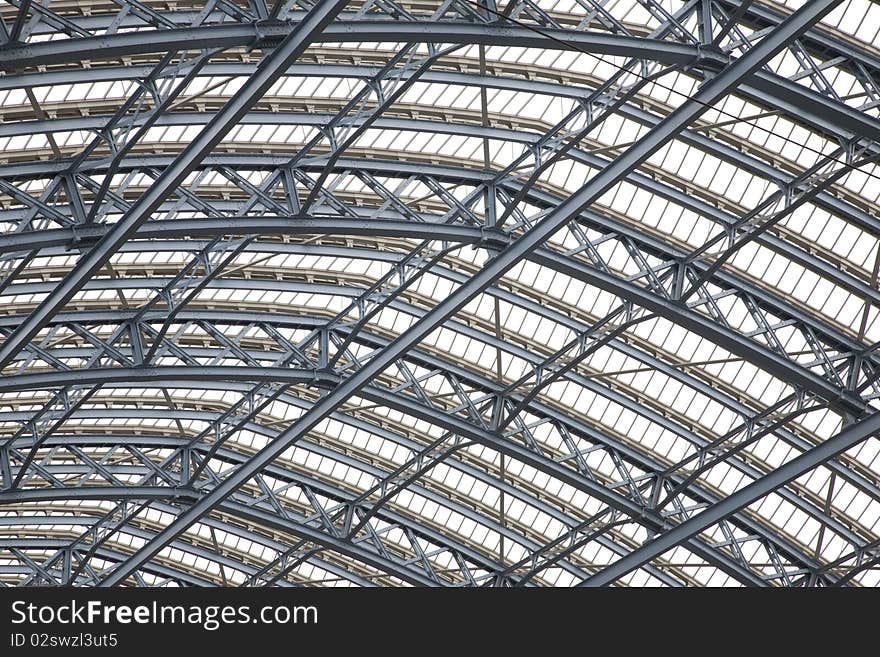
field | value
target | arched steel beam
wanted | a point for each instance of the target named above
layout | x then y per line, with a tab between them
759	15
232	508
513	300
733	342
269	71
763	87
114	494
474	553
280	472
42	539
593	218
85	236
233	69
541	410
78	519
710	391
695	138
223	376
277	471
831	448
379	228
808	258
811	260
762	296
597	437
229	283
337	292
157	569
585	382
232	36
429	418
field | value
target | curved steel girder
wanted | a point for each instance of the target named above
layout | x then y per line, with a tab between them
657	418
231	508
542	410
282	473
511	491
512	298
42	539
724	152
215	556
193	227
268	519
276	225
711	391
223	377
568	90
242	35
473	552
160	570
592	218
763	87
808	258
380	228
815	39
692	137
213	376
214	523
848	438
72	238
820	41
644	462
744	347
811	260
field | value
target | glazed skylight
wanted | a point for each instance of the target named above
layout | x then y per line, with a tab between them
251	308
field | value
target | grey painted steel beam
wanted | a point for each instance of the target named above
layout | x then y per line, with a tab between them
301	321
642	462
87	235
336	290
269	70
741	159
402	168
510	489
842	400
285	475
159	570
231	36
831	448
167	374
764	87
44	539
452	423
474	553
217	375
214	523
700	324
711	91
758	15
822	40
233	508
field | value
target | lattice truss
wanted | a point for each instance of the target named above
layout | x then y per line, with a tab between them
439	292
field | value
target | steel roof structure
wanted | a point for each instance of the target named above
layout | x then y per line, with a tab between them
439	292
